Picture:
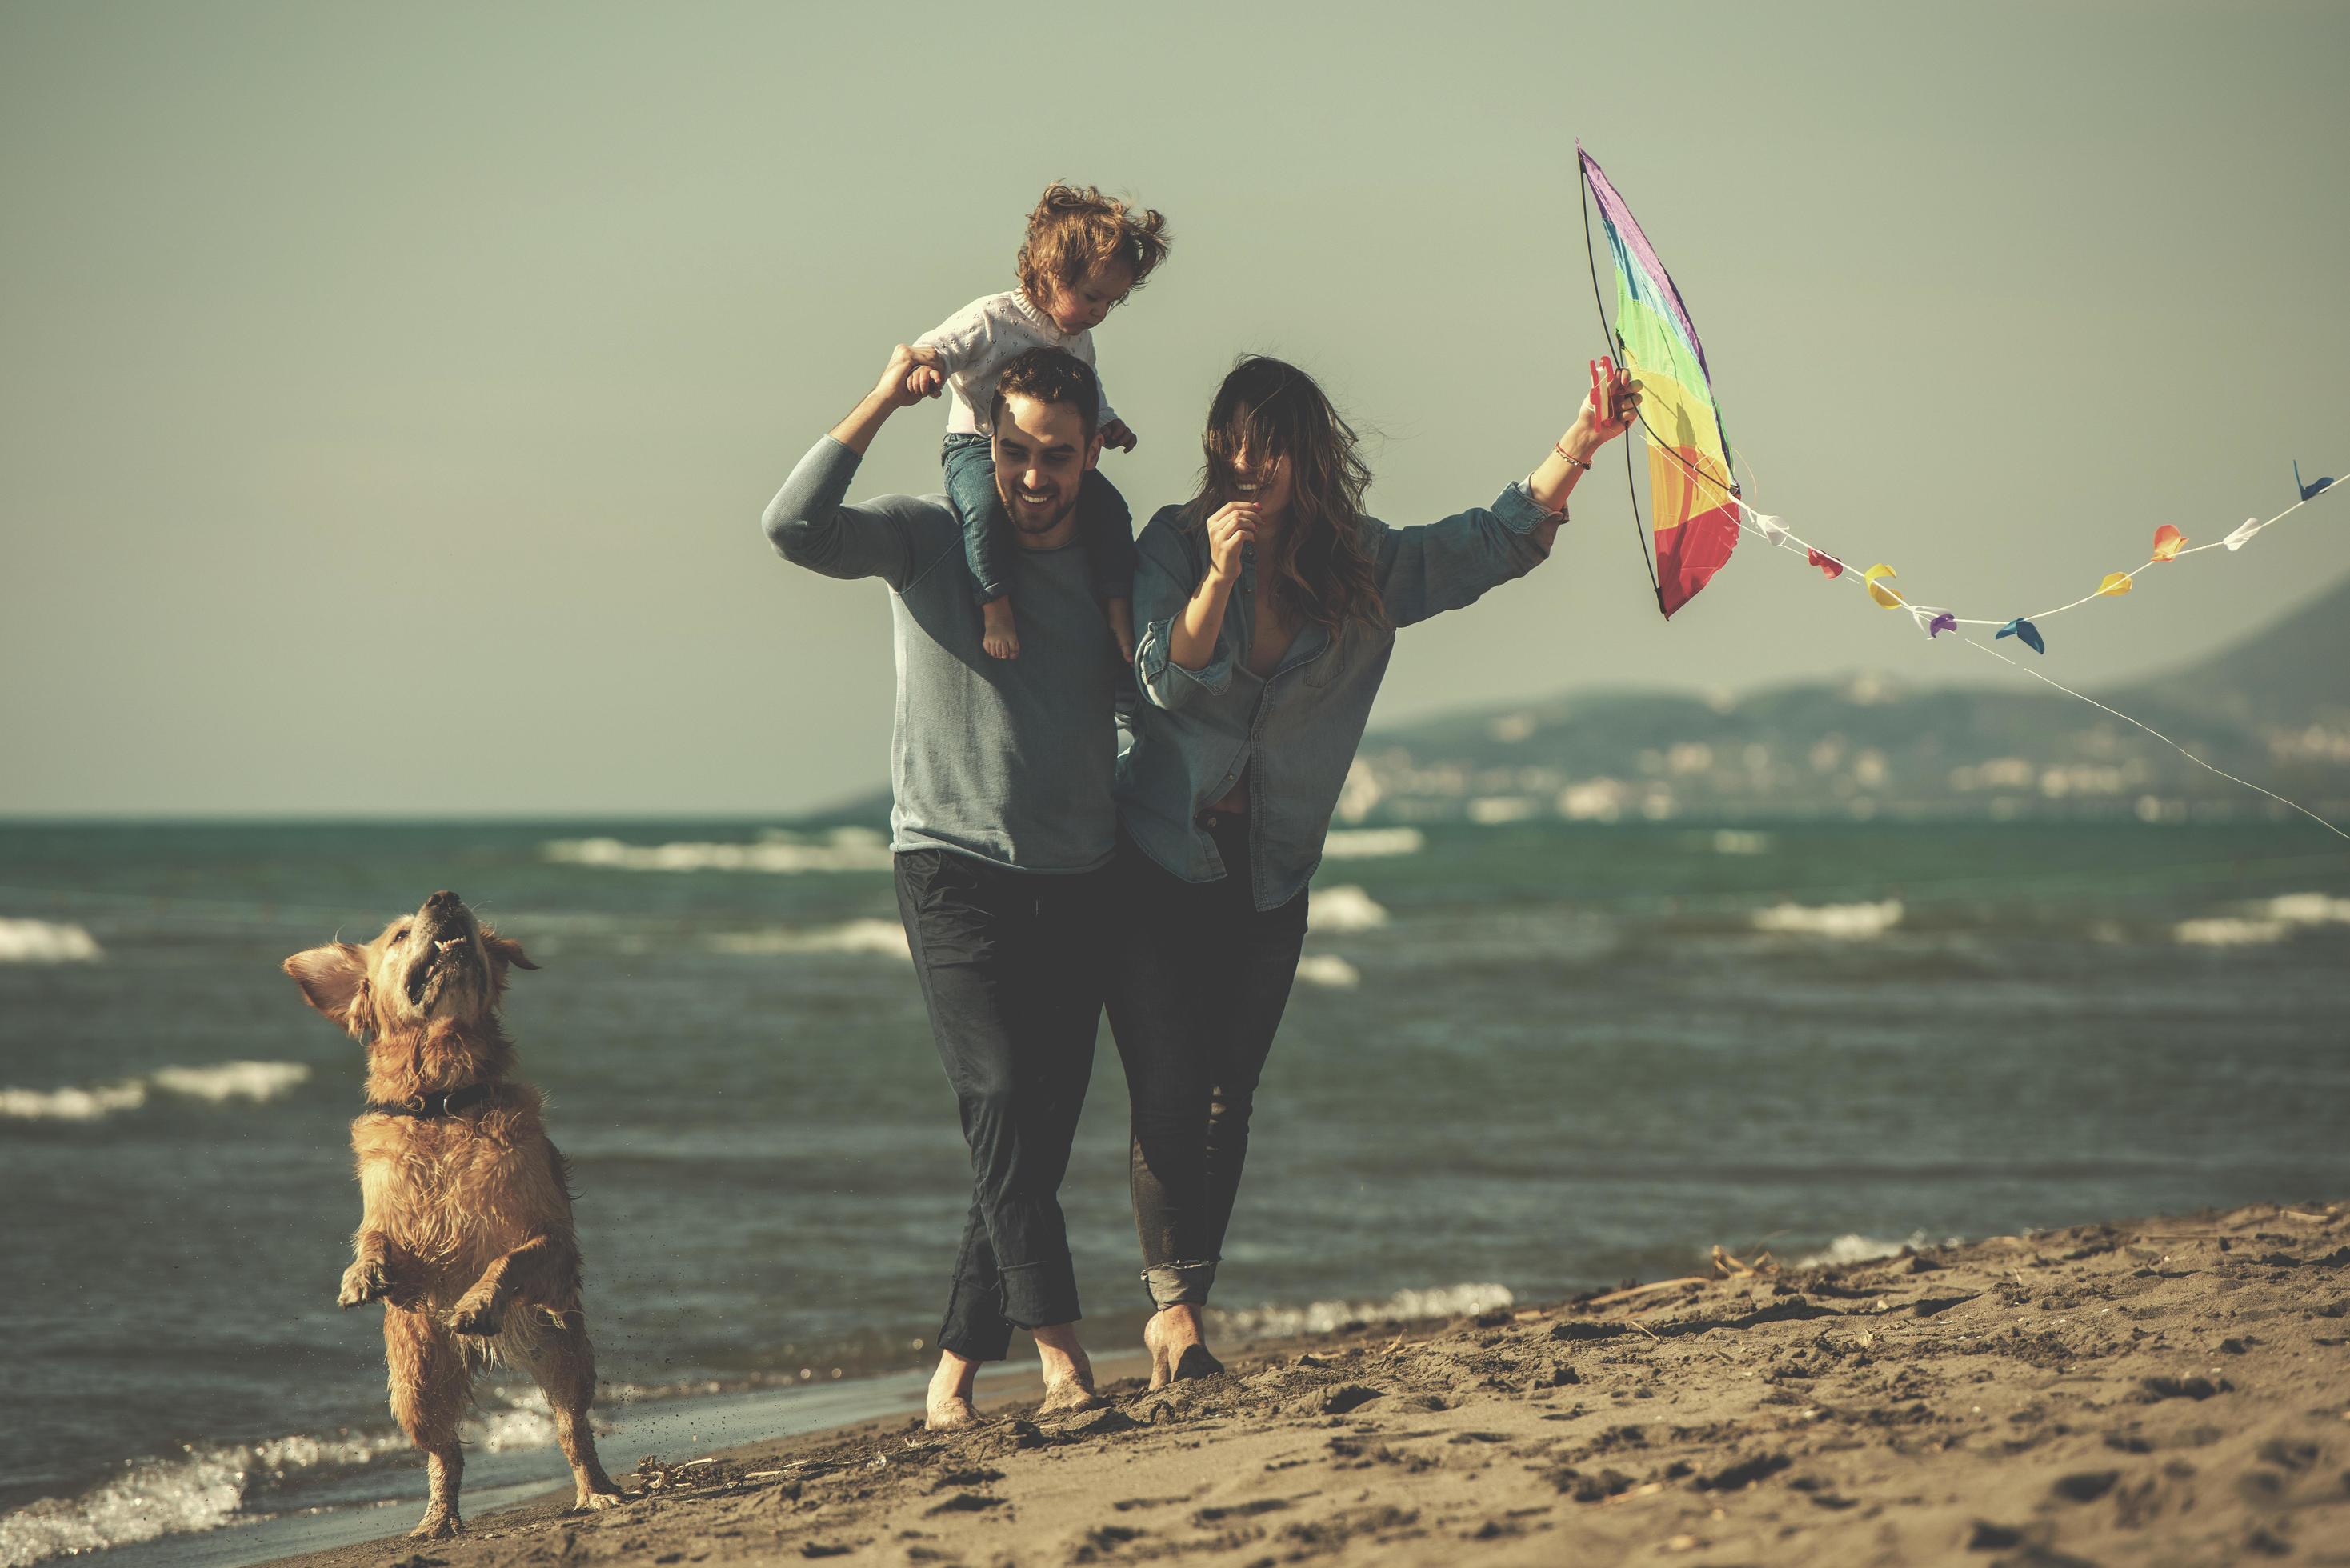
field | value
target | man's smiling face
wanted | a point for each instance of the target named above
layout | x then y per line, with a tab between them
1042	454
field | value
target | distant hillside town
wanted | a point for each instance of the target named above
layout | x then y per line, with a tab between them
2275	710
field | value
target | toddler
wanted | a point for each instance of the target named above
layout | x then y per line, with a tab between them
1084	255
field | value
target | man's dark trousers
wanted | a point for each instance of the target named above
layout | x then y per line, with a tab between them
1011	966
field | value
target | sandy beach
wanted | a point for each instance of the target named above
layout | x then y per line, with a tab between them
2170	1390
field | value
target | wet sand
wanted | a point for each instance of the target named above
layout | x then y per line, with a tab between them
2173	1391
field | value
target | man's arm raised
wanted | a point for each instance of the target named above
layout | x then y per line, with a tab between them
808	523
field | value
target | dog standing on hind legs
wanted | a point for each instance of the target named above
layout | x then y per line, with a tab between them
465	1228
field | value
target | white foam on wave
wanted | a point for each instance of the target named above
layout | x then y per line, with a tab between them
1838	922
202	1488
776	854
1326	1317
2308	909
883	938
1329	970
2227	932
2270	920
215	1083
1346	908
259	1082
1372	843
1854	1248
45	941
206	1486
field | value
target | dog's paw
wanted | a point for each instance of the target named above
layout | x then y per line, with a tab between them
364	1282
476	1312
440	1524
596	1502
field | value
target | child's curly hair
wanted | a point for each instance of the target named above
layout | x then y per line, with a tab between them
1076	227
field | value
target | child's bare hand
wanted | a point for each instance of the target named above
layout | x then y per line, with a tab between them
1118	434
898	387
926	379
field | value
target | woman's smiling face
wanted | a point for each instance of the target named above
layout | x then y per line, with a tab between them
1265	483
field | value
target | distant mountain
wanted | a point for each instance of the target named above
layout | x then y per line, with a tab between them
2274	709
2294	672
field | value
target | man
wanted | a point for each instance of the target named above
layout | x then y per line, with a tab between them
1002	827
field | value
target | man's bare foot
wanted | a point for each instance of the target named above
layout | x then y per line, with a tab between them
947	1404
1068	1375
1177	1350
997	633
1121	625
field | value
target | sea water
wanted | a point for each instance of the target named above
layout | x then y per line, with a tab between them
1522	1060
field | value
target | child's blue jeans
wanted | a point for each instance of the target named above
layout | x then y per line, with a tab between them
1105	525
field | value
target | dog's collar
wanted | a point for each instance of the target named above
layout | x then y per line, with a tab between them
431	1107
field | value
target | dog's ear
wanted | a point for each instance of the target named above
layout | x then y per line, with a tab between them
505	950
331	978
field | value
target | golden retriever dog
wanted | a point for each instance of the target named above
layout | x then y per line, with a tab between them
465	1207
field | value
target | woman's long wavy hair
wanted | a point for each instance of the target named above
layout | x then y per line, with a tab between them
1321	574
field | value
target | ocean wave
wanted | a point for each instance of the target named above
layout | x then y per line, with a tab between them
215	1083
1372	843
44	941
776	854
1326	1317
206	1486
885	939
1329	970
1344	909
1854	1248
202	1488
1838	922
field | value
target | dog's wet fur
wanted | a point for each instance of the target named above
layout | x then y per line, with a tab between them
465	1229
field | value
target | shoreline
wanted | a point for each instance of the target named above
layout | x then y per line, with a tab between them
2175	1385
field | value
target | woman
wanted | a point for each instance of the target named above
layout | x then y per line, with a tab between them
1268	607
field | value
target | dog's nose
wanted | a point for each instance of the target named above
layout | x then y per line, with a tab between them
441	900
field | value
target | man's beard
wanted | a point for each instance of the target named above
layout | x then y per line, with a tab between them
1020	517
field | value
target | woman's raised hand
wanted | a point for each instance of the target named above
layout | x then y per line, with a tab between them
1230	532
1614	405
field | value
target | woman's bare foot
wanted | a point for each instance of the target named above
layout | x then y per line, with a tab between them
996	632
1069	1374
1178	1348
948	1404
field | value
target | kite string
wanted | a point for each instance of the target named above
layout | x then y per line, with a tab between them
2158	734
1790	537
1730	494
2092	701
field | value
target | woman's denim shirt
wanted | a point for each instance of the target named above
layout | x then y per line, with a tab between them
1293	732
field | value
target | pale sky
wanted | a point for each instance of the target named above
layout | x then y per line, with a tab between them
389	394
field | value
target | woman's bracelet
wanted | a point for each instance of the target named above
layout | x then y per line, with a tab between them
1570	457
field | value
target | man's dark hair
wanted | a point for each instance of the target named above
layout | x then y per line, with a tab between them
1049	376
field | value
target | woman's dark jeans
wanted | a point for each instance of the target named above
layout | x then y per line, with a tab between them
1010	963
1197	980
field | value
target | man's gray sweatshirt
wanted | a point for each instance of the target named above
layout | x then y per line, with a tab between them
1008	761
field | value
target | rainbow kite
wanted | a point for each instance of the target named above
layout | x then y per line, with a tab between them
1693	491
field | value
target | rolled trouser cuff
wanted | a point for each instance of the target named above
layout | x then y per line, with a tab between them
1180	1285
1038	1295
